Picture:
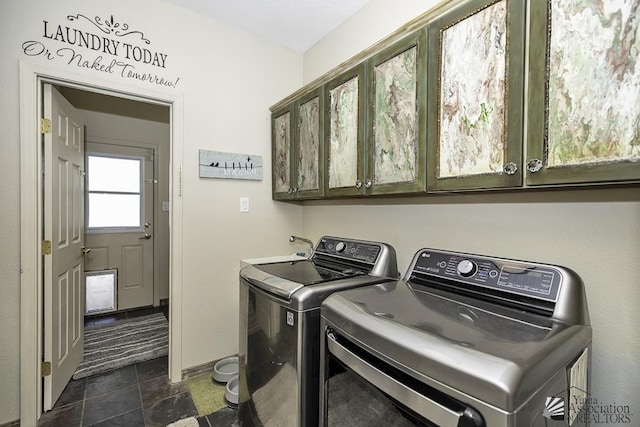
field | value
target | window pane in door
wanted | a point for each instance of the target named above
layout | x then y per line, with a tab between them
114	210
114	174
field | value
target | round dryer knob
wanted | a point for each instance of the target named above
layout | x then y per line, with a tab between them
340	247
467	268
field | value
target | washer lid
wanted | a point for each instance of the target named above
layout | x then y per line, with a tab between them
275	285
495	354
305	272
299	296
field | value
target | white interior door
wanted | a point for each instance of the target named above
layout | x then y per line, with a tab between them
63	227
124	244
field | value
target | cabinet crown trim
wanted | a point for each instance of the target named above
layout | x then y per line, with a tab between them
416	24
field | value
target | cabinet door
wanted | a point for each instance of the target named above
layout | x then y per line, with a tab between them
584	96
396	141
475	96
344	114
282	146
309	143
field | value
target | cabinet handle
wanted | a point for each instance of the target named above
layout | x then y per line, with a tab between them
368	183
358	184
534	165
295	190
510	168
290	191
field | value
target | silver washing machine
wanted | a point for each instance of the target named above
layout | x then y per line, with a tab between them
462	340
280	326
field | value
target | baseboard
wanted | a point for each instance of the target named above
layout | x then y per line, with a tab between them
15	423
194	371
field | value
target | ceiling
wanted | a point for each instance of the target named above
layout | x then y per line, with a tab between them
294	24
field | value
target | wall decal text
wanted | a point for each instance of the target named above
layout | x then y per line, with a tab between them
105	46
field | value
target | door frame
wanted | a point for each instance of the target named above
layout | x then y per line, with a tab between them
31	209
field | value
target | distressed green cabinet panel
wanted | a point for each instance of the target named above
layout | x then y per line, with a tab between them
309	146
297	146
475	76
344	133
382	152
584	93
396	138
282	152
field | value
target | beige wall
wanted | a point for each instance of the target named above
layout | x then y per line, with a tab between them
228	80
373	22
596	232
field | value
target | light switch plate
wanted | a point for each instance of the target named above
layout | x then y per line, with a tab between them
244	204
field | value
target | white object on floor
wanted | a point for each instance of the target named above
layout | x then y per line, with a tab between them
225	369
231	393
185	422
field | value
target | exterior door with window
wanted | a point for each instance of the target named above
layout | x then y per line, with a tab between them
119	225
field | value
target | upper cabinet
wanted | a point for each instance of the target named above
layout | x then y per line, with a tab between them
475	102
375	129
281	152
472	95
309	142
344	133
297	145
396	120
584	93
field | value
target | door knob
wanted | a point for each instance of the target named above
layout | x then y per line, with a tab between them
84	250
146	236
534	165
510	168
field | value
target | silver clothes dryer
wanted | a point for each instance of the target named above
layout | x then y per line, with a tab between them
462	340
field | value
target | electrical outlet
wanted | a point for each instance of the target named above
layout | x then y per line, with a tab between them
244	204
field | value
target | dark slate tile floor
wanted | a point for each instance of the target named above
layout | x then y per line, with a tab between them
139	395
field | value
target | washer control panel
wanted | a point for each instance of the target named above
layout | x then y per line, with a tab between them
355	250
517	277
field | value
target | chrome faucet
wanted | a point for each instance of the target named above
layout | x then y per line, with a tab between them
302	239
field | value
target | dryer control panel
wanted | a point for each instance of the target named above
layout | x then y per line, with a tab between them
485	273
351	249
